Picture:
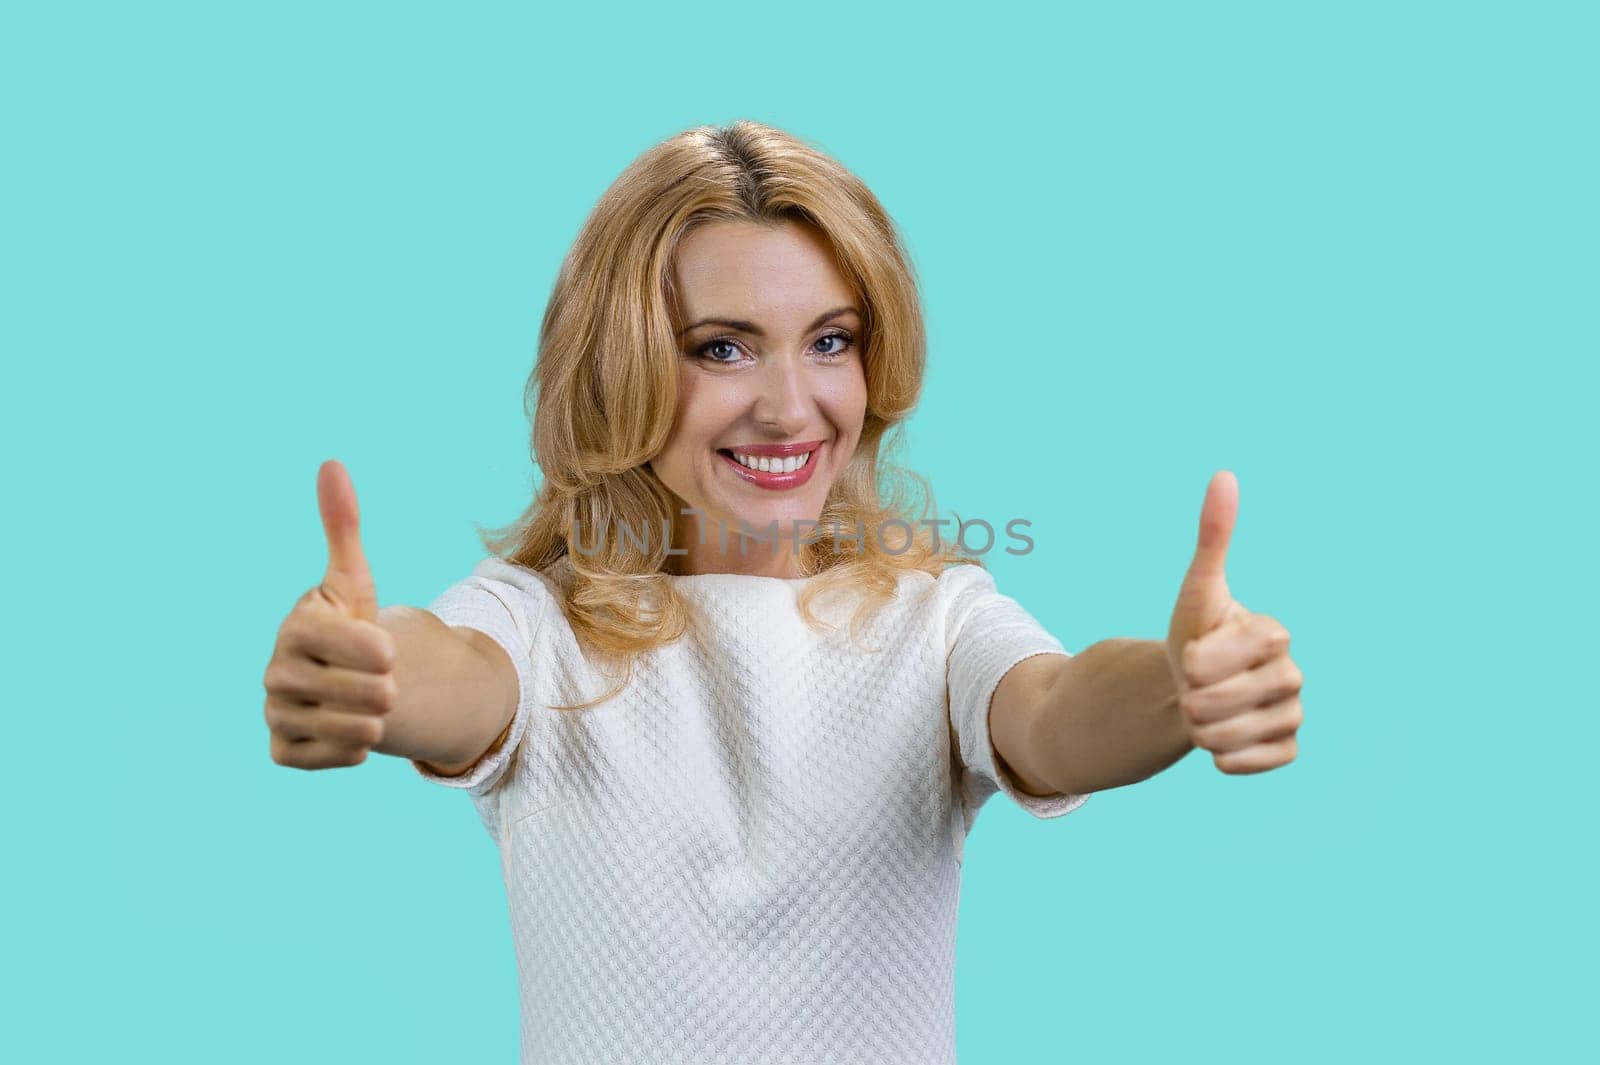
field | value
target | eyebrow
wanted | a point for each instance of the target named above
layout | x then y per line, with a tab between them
755	330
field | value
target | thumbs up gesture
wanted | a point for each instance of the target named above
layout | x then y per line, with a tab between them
347	586
331	677
1239	691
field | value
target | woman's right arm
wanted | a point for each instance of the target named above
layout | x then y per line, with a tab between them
345	678
456	692
406	684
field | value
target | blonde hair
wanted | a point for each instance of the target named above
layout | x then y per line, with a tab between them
604	387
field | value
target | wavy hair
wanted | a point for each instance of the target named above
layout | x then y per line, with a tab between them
603	391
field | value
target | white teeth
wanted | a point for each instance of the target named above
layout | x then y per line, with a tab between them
788	464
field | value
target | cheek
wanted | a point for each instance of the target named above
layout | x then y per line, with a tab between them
846	401
703	413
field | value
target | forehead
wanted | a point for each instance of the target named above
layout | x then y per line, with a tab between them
729	267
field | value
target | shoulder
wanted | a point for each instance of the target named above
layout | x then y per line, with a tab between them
536	582
548	582
531	597
947	597
956	582
963	576
962	584
971	605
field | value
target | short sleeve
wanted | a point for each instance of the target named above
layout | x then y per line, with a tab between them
508	603
987	633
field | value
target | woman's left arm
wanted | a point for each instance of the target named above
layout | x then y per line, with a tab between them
1123	710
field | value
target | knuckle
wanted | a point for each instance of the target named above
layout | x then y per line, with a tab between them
385	695
301	678
272	680
299	631
1191	706
311	625
388	654
357	733
341	731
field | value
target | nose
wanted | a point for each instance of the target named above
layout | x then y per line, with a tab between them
783	402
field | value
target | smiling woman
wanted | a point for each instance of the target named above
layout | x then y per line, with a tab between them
732	826
734	339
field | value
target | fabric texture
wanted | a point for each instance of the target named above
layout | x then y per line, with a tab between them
753	852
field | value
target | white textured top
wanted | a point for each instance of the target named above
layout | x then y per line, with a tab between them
752	853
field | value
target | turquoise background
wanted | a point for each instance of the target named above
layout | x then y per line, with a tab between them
1347	251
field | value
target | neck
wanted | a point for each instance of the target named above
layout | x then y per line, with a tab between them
725	550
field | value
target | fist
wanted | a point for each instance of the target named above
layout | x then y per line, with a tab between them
1239	692
331	677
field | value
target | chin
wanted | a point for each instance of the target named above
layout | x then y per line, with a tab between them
785	512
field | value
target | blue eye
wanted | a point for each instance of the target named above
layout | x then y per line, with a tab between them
845	342
842	343
703	349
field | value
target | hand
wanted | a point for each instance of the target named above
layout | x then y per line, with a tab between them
1239	692
331	677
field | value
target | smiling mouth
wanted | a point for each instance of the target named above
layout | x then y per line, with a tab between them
776	471
769	463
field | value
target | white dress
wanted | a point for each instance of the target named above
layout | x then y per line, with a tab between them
751	854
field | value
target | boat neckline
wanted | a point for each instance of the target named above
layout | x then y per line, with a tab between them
744	577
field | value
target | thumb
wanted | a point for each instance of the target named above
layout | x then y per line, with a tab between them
1204	598
348	582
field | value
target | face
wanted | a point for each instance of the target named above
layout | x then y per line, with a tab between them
771	388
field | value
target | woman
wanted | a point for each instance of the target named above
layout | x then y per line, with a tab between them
727	713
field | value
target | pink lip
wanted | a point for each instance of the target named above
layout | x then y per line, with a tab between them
775	481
